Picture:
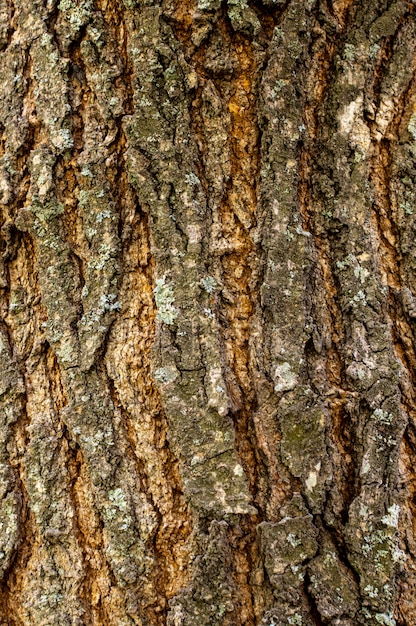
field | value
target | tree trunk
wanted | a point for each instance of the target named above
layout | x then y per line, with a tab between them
207	291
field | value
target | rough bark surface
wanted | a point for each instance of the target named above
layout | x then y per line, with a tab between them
208	312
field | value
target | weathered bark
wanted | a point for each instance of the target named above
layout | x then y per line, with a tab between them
207	291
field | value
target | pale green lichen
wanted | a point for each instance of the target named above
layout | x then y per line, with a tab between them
406	207
77	13
117	497
105	253
107	303
411	127
209	284
242	17
166	374
293	540
386	619
380	546
382	416
360	272
85	171
192	179
83	198
350	52
164	298
359	298
102	215
279	84
206	5
392	517
285	378
371	592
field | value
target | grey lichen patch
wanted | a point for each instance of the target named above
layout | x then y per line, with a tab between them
382	416
361	272
165	299
391	519
209	5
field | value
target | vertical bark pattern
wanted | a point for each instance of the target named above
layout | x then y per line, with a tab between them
207	292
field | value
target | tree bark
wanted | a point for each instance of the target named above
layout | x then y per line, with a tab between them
208	314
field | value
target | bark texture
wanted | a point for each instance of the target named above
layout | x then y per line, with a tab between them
208	312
